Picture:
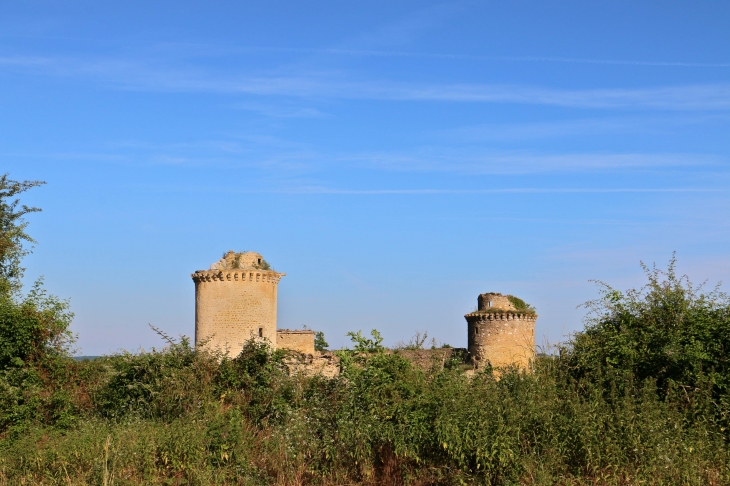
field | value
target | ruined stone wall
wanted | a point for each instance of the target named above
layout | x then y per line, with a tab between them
231	306
328	363
501	338
428	358
493	300
301	341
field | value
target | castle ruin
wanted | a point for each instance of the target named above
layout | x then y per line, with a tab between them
501	332
236	300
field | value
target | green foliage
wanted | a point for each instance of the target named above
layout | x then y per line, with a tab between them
236	261
606	410
12	232
668	331
520	304
264	265
35	361
158	384
320	343
366	345
36	371
33	328
416	342
384	421
258	378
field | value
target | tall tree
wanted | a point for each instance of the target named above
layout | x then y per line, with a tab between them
12	232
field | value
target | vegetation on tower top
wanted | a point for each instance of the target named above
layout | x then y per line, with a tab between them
232	260
520	304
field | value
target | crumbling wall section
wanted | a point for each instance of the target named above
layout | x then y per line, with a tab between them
301	341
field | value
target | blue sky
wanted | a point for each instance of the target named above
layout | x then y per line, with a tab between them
395	159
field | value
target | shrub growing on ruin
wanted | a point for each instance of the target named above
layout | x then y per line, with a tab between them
519	303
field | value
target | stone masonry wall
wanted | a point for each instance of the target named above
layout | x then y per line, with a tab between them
231	306
301	341
501	339
493	300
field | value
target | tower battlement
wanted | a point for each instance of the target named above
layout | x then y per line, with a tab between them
269	276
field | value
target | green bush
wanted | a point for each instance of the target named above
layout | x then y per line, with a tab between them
668	331
158	384
34	328
366	345
320	343
256	380
519	303
12	232
35	363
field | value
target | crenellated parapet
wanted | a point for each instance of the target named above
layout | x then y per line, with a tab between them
242	276
480	316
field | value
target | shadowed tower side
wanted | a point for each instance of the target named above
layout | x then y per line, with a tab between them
234	301
501	331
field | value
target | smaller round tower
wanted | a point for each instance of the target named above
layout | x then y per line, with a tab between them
235	301
501	331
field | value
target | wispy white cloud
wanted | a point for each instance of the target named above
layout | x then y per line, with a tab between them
471	57
489	132
505	190
397	34
281	110
467	162
137	75
314	189
697	97
284	159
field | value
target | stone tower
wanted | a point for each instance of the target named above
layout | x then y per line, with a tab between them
501	331
234	301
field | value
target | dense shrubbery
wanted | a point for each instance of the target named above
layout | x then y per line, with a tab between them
34	337
668	331
641	396
182	417
33	329
598	412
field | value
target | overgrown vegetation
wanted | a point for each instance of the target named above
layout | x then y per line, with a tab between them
520	304
12	232
639	397
416	342
233	261
264	265
367	345
320	343
177	416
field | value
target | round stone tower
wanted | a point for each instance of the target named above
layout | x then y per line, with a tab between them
234	301
501	331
